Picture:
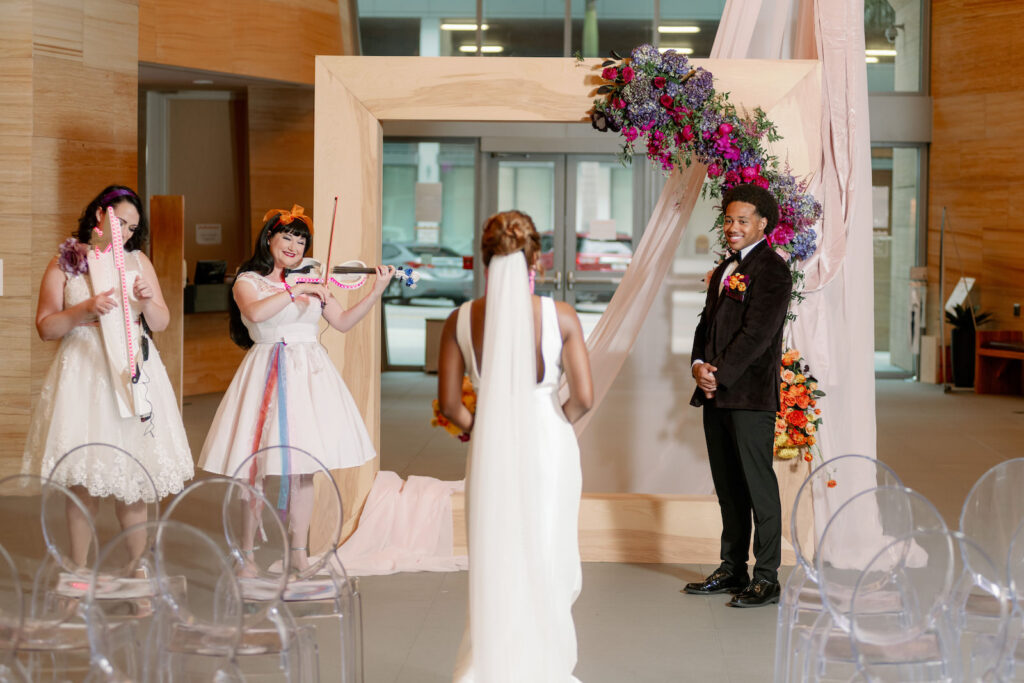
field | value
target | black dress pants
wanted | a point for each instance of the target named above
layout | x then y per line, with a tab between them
741	449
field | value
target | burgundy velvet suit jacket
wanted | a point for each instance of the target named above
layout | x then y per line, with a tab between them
741	334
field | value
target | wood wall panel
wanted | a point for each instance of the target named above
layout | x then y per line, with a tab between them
262	38
68	109
974	164
212	357
167	249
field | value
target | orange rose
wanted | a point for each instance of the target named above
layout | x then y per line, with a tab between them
796	418
803	401
831	483
789	400
797	438
817	411
811	441
808	457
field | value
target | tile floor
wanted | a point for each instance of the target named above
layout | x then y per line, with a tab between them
632	622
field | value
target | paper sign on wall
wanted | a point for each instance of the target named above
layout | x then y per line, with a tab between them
208	233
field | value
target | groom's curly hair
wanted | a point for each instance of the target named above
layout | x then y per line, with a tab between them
508	232
763	201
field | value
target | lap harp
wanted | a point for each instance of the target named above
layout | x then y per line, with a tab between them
107	270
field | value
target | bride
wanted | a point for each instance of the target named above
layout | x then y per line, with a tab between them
523	477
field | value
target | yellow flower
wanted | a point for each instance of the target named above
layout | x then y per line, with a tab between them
812	385
800	379
810	428
742	287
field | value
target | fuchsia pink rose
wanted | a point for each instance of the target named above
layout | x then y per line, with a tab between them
667	101
714	170
687	132
619	103
610	73
659	81
750	172
630	133
761	181
725	129
627	74
732	177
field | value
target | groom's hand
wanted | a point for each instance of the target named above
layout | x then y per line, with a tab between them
704	374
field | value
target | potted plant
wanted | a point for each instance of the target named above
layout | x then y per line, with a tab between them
964	319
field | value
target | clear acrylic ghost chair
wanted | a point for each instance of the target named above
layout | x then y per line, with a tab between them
856	532
321	594
11	606
908	612
88	471
800	604
994	509
199	614
52	640
1013	661
233	514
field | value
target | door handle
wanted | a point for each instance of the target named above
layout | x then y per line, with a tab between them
555	280
570	280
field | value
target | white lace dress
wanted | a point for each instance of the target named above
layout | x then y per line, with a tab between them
320	417
533	633
77	406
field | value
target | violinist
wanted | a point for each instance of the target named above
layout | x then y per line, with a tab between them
286	390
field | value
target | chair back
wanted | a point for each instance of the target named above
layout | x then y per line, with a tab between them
994	510
859	473
247	531
908	612
276	471
864	525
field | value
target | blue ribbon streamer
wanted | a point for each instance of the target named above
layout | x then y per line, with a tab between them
282	427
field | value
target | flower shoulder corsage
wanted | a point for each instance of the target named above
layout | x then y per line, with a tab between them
72	257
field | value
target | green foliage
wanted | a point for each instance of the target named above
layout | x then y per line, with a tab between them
963	318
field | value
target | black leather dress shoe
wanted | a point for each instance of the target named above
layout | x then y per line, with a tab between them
759	592
720	581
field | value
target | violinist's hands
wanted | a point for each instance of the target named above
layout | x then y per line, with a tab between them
384	277
311	290
101	303
142	289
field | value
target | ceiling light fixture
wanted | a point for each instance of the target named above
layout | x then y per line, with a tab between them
462	27
680	50
871	60
679	29
202	81
880	53
491	49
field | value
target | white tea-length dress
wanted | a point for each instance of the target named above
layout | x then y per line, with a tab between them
320	415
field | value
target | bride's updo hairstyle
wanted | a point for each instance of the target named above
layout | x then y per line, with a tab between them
508	232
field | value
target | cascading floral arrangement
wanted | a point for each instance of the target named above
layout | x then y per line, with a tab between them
671	106
799	419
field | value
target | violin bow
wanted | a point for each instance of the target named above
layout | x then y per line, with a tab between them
326	274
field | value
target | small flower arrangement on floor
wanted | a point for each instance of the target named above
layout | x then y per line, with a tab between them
799	419
468	400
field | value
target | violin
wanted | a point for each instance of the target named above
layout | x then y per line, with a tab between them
348	275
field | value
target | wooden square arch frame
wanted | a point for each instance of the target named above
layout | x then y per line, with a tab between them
354	95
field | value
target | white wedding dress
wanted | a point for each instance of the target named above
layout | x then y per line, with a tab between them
77	406
320	417
523	486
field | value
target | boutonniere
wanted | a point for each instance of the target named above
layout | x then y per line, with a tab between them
736	286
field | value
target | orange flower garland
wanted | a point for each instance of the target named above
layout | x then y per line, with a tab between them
799	418
468	400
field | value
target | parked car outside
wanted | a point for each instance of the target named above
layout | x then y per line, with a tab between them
440	269
592	254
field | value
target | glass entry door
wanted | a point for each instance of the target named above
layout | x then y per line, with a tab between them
583	207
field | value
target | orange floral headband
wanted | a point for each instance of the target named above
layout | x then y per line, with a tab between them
286	217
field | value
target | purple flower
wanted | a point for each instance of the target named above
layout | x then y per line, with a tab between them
71	259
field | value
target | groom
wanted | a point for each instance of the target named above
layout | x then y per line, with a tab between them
736	354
